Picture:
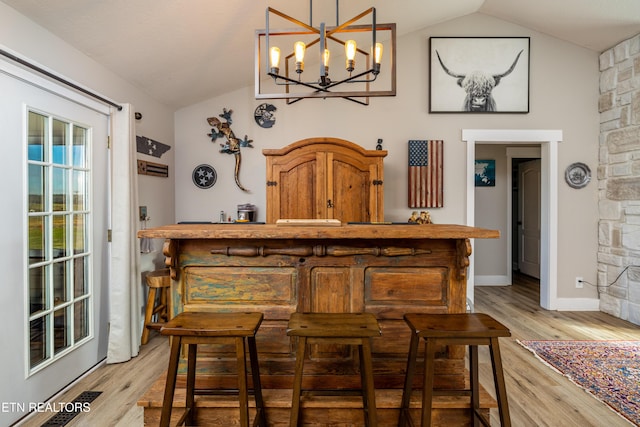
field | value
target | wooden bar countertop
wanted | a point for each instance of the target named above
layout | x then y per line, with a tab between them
344	231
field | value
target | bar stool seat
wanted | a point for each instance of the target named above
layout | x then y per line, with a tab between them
471	329
158	281
335	328
193	328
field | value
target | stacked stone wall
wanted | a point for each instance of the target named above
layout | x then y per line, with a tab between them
619	181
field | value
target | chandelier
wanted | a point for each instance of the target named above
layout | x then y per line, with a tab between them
360	39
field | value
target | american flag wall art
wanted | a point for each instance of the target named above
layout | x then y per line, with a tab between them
425	174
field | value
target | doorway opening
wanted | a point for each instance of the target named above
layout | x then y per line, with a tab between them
548	141
525	217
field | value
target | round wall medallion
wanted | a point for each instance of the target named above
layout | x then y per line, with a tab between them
204	176
264	115
577	175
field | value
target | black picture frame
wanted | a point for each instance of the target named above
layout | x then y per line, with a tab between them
459	66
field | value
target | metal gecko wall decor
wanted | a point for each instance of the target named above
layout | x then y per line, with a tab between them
232	146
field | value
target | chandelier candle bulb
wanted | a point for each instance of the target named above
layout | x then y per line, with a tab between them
350	52
325	61
377	58
378	53
274	56
299	48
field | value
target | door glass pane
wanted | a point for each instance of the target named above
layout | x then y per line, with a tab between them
80	268
81	320
79	190
59	142
37	232
60	236
60	294
39	348
37	188
79	147
37	289
59	189
79	234
60	330
37	133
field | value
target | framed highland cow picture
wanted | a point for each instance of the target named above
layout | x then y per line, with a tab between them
479	74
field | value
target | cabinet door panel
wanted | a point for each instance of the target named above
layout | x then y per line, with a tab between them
330	293
330	290
350	189
297	189
271	290
390	292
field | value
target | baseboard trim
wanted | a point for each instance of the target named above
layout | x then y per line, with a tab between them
492	281
578	304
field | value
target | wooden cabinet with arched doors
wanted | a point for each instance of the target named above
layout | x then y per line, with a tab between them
320	178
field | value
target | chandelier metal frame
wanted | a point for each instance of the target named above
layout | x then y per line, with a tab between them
323	87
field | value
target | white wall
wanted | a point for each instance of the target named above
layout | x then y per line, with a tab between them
491	212
26	39
563	95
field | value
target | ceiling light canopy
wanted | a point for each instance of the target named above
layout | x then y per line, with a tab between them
360	40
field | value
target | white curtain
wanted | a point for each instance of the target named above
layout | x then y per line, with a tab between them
125	291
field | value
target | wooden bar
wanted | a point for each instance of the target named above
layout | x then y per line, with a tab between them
384	269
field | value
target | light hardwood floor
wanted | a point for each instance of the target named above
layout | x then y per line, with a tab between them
538	396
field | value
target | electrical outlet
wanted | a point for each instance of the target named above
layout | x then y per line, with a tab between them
579	281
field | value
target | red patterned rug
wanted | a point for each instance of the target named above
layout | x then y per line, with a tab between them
609	370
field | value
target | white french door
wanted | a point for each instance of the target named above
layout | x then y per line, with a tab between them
54	260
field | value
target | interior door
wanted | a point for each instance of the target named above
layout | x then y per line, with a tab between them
24	381
529	202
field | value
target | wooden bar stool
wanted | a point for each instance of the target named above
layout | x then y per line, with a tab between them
471	329
157	281
335	328
193	328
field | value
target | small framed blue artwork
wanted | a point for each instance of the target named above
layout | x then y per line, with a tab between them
485	173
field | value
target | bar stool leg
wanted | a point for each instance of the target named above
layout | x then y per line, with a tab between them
148	314
163	315
297	381
408	380
257	386
474	384
427	392
170	385
363	384
368	389
498	379
191	384
242	382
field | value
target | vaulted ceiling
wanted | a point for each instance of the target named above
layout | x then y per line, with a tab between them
184	51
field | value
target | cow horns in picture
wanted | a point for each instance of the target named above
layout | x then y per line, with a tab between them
478	85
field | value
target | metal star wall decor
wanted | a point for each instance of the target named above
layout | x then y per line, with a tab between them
149	146
204	176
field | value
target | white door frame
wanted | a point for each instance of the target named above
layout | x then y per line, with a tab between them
548	140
